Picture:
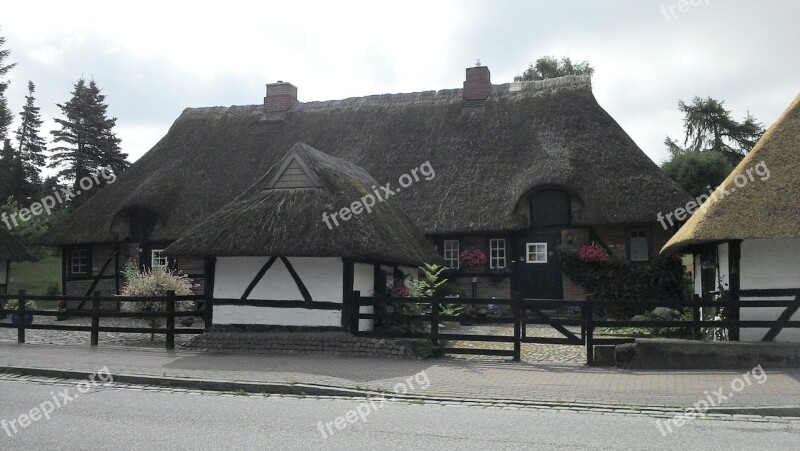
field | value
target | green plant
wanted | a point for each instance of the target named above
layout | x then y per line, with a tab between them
451	309
663	278
53	289
428	349
429	283
155	282
13	304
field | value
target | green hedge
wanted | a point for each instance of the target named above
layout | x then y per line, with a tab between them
662	278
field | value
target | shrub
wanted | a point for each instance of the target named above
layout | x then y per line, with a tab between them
155	282
662	278
13	304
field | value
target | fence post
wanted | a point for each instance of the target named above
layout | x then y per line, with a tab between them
695	316
170	320
589	320
95	319
355	310
435	323
209	312
517	330
21	317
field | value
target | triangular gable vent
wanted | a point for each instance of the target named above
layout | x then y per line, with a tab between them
294	173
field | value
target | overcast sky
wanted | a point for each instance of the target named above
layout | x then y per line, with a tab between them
153	59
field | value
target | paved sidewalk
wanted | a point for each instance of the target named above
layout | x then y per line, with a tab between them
448	378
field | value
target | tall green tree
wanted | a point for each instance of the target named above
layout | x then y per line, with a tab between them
86	138
31	148
708	126
713	144
5	113
550	67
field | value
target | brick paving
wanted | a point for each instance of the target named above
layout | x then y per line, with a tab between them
465	379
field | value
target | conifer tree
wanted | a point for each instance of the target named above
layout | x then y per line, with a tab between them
30	149
86	140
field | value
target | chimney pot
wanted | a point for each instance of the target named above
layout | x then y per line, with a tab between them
281	96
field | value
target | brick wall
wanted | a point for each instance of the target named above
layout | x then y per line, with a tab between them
280	97
478	85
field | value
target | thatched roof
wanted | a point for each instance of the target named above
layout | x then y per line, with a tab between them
12	250
527	134
286	221
760	209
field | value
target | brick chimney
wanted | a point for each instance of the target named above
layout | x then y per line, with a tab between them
281	96
478	85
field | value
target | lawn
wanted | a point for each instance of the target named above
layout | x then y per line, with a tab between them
36	277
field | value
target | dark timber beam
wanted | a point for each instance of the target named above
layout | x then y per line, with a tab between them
300	285
258	277
734	274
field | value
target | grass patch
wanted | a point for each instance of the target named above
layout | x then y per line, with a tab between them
36	278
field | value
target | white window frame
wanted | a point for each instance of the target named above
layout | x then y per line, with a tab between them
452	252
536	250
83	260
639	239
156	255
497	253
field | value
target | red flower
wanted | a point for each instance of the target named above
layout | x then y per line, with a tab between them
593	253
473	257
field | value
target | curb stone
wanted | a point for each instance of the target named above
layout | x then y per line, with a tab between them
782	414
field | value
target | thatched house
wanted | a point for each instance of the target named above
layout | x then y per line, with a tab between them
747	241
519	169
270	244
11	250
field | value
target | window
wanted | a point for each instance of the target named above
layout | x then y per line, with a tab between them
640	250
79	261
536	253
158	258
451	254
497	253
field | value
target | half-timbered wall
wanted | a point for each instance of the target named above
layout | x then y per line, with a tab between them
321	276
765	264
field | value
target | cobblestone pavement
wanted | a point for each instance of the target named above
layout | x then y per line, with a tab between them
474	380
654	412
529	352
62	337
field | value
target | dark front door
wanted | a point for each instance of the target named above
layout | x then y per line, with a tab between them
536	274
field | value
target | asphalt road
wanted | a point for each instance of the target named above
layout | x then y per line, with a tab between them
110	418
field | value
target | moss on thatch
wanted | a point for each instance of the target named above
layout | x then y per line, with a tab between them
526	134
12	250
289	221
760	209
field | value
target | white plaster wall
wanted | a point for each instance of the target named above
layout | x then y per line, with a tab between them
3	275
245	314
769	264
364	281
322	276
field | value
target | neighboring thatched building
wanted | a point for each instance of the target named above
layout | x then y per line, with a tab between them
271	243
519	169
11	250
755	228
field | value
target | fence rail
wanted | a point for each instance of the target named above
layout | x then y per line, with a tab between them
96	313
531	311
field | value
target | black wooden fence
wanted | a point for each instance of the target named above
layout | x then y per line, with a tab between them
532	311
96	313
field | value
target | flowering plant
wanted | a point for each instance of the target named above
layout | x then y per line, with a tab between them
593	253
473	257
